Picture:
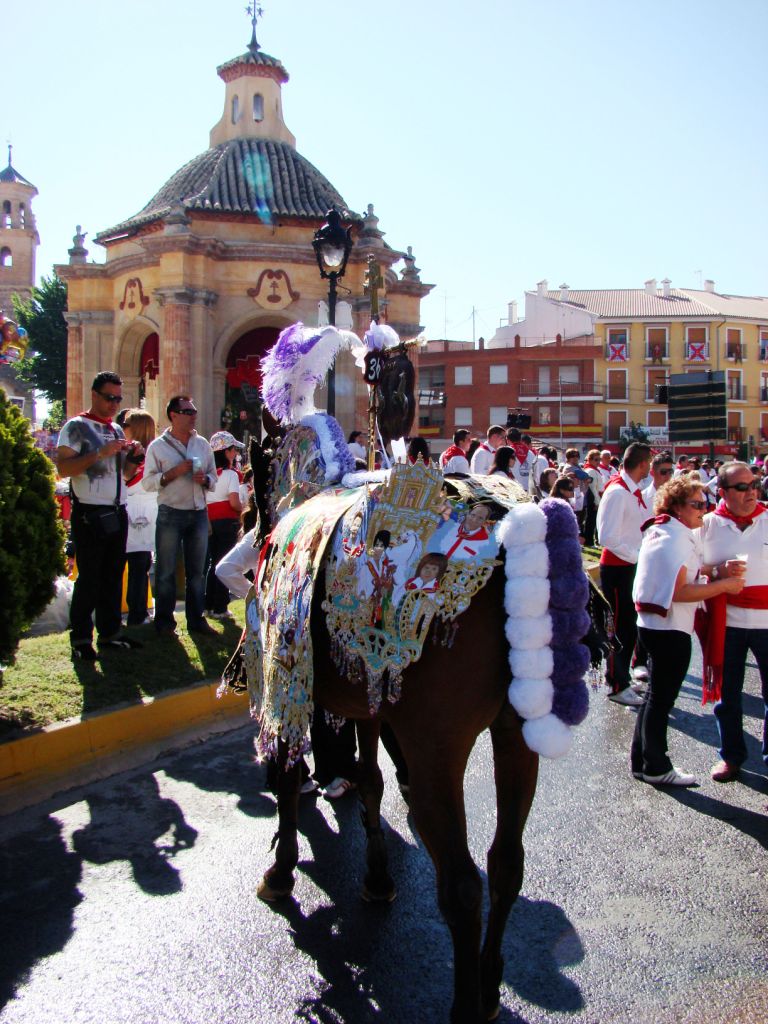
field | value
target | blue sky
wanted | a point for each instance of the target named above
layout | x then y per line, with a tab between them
595	143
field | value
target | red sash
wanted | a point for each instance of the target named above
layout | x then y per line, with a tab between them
709	626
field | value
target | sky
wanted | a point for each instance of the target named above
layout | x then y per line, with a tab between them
596	143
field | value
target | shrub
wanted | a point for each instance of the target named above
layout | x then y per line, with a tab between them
31	533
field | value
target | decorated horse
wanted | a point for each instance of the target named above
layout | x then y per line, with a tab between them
442	607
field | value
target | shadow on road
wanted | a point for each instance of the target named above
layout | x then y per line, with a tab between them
395	962
749	822
38	894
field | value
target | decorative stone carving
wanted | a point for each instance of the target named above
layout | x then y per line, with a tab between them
273	290
134	300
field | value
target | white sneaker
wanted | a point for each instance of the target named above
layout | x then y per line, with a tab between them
220	615
627	698
641	673
672	778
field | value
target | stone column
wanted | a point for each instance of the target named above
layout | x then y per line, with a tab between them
175	342
75	364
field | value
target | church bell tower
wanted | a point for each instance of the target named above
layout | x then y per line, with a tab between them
18	236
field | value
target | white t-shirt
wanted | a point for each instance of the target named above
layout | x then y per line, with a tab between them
722	539
142	517
97	485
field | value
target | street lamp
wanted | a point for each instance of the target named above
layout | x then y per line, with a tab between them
332	244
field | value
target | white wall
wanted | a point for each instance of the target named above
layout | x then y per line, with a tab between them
544	320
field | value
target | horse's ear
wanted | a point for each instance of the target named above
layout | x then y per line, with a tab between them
271	426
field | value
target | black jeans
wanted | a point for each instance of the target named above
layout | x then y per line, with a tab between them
669	655
334	753
616	584
98	589
137	591
221	540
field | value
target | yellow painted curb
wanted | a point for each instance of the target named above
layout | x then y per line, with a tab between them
61	755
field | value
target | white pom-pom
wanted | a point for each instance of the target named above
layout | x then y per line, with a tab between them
524	524
530	560
525	634
526	597
531	698
535	664
548	736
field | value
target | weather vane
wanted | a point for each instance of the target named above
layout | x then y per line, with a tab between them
254	11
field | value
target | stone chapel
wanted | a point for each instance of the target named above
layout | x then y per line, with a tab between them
197	285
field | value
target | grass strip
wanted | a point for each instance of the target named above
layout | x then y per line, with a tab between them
45	686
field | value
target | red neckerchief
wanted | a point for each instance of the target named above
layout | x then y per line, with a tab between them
655	521
451	453
723	510
93	416
137	476
637	492
521	451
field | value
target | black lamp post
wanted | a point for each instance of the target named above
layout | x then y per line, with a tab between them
332	244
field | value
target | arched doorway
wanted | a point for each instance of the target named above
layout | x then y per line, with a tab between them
149	368
242	394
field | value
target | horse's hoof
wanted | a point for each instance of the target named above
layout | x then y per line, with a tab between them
389	896
272	893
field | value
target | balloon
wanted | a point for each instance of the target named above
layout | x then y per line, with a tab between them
22	332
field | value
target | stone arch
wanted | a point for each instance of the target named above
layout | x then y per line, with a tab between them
128	364
237	392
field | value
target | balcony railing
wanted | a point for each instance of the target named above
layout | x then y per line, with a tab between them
431	396
736	351
656	351
737	392
764	393
554	389
737	434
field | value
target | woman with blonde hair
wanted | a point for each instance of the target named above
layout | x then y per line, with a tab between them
666	592
139	426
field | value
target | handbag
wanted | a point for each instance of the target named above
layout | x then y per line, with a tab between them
103	520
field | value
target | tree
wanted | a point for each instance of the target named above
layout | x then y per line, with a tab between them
31	532
56	416
634	432
43	317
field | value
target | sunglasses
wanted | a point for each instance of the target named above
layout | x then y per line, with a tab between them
665	472
755	485
117	399
697	504
186	412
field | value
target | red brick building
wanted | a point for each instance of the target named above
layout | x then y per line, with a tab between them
555	383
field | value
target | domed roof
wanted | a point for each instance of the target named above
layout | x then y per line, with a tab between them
263	177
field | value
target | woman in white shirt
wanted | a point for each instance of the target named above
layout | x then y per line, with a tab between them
666	592
141	506
224	510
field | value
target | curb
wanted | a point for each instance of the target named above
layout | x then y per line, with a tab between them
80	750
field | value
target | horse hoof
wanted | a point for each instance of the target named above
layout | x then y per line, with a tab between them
272	893
379	897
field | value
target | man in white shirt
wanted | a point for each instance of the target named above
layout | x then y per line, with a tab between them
604	466
739	527
180	465
483	457
95	455
620	517
662	469
454	458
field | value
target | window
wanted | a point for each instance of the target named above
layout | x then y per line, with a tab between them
696	344
568	374
463	375
432	377
617	347
736	390
258	107
735	430
22	215
652	378
656	343
764	426
763	346
617	421
570	414
497	415
235	109
6	214
545	415
617	385
733	347
463	416
498	375
764	386
6	257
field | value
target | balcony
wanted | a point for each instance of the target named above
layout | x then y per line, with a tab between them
585	391
431	396
764	393
657	353
737	434
736	351
696	352
737	392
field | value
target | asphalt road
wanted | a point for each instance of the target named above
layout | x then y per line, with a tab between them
132	901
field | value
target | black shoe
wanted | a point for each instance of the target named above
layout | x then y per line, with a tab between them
204	628
84	652
121	643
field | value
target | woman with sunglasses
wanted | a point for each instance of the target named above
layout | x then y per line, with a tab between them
564	488
666	593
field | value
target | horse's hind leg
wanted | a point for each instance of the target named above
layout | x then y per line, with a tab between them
378	885
437	806
278	879
515	770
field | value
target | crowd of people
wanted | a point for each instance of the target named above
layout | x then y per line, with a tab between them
681	548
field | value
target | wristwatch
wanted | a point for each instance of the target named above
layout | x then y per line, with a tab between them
715	572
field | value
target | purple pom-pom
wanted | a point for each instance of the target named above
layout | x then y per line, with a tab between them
570	664
568	626
561	522
571	703
569	592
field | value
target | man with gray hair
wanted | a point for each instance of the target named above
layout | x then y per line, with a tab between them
735	531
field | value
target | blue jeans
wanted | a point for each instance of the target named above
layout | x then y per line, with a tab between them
186	529
728	710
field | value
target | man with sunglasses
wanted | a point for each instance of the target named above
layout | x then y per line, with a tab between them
95	455
738	527
181	467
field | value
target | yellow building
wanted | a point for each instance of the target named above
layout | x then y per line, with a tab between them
198	284
644	334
